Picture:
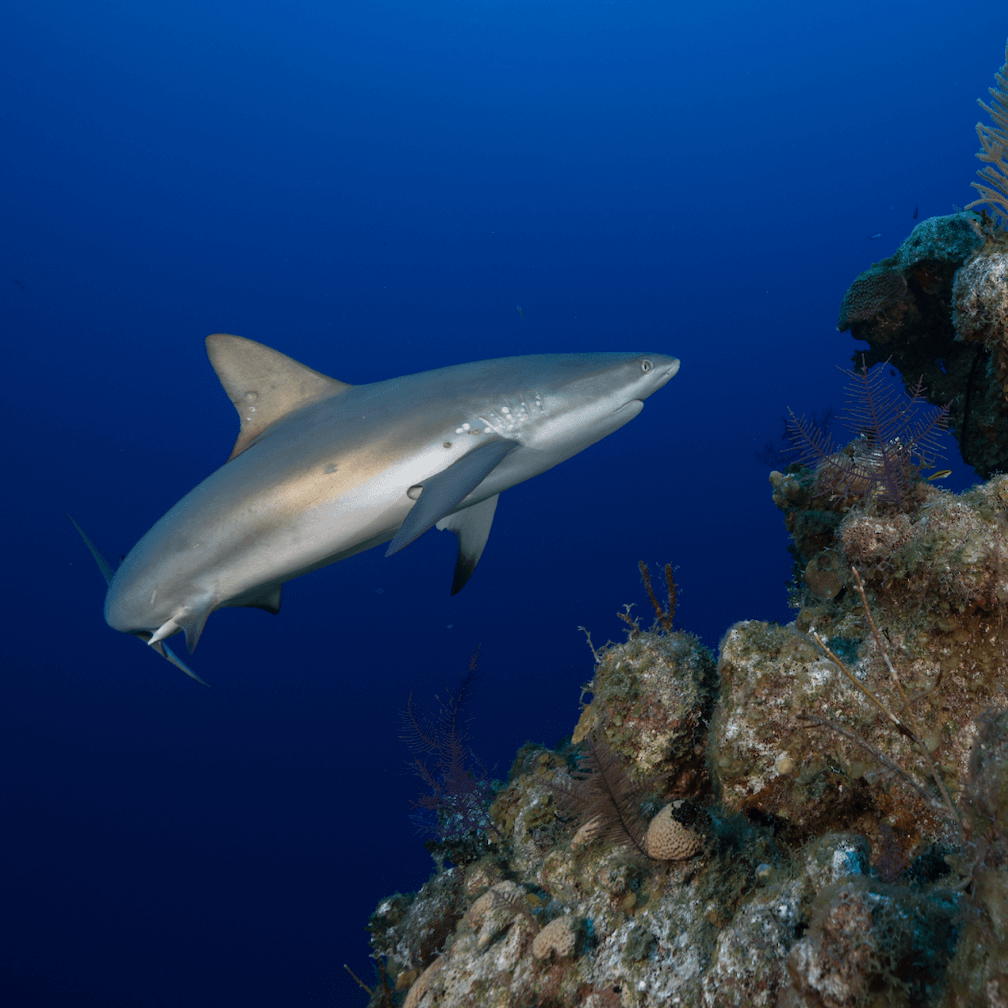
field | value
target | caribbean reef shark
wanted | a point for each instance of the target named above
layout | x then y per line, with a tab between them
322	470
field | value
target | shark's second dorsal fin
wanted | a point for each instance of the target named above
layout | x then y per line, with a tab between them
263	384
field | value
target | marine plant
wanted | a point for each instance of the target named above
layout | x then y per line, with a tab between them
994	150
890	448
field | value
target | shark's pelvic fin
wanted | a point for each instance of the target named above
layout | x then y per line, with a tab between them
165	630
107	572
443	492
472	526
263	384
189	620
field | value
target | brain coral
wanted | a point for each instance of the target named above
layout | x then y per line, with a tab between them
668	840
559	936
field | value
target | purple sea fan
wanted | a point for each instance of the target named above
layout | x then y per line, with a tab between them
892	442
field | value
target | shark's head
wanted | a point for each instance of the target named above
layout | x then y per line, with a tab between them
592	395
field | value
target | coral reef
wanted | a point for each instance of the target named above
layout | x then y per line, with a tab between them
814	820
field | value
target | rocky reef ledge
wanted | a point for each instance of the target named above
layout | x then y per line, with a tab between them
817	818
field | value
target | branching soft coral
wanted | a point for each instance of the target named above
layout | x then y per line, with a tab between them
890	448
994	141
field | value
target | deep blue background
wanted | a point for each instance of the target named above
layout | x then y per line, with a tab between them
372	188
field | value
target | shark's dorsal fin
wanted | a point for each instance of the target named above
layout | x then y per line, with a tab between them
263	384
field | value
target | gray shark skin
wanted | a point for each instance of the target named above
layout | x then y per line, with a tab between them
322	470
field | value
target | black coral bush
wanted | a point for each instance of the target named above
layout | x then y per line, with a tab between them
604	799
895	438
458	792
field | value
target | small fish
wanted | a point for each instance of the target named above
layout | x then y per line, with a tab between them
21	285
878	234
941	474
916	208
521	314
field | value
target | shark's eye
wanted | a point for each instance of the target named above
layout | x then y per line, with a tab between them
646	366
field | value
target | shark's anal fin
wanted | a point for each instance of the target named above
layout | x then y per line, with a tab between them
268	599
472	526
443	492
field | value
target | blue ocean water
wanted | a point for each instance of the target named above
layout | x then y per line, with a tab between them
376	189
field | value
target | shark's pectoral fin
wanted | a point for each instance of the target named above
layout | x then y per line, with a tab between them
472	526
444	492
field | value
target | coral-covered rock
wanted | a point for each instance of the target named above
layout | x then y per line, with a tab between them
980	300
749	969
651	698
867	940
895	296
410	930
833	870
978	975
980	316
822	775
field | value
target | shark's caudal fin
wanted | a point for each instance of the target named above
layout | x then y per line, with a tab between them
107	573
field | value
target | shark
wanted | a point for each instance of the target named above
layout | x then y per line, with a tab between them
322	470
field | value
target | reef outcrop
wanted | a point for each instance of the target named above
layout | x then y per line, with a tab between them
938	308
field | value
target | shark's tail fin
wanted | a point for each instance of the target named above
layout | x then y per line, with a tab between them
107	573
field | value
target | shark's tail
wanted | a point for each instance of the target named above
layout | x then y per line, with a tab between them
159	646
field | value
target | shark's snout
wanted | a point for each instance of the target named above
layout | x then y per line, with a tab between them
671	370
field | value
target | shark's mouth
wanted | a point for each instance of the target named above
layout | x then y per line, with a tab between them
635	405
